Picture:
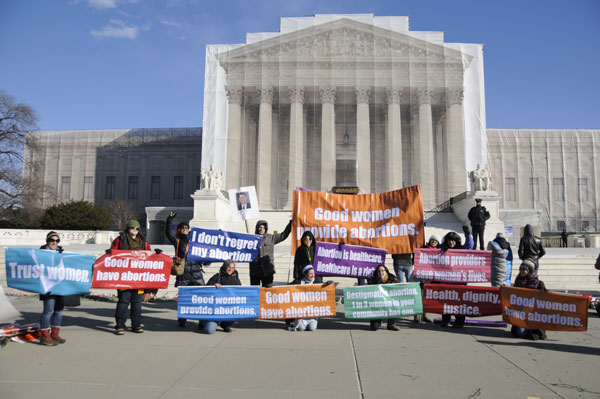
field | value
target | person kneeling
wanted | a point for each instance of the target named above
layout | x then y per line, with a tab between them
227	275
308	278
382	275
528	278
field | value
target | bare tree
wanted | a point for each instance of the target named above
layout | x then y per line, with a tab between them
16	121
121	212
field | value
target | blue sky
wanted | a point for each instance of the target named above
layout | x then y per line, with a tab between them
92	64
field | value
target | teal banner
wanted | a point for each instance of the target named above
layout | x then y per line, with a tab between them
384	301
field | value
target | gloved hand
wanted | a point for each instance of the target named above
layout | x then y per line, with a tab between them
158	251
172	215
108	251
326	283
60	250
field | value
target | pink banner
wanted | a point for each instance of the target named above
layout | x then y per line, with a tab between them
453	265
131	270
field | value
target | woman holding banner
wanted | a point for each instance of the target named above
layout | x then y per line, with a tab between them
382	275
193	273
308	278
528	278
305	254
452	241
51	318
130	239
227	275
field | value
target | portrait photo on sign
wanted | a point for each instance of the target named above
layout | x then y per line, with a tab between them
244	204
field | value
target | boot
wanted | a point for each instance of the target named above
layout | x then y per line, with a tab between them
55	336
47	339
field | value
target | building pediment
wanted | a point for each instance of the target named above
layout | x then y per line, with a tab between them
341	40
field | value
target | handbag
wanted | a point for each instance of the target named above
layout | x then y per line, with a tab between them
178	263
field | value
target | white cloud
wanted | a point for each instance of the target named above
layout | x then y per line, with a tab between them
101	4
170	23
116	29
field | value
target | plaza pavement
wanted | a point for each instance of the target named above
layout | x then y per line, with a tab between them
261	359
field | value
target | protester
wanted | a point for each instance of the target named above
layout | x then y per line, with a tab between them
263	268
308	278
477	216
227	275
528	278
469	243
452	241
130	239
305	254
403	266
564	236
501	261
381	275
433	242
50	321
530	247
193	272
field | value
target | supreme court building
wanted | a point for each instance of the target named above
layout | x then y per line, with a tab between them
336	101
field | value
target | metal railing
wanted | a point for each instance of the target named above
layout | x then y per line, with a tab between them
445	206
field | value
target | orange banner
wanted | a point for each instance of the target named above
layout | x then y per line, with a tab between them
537	310
391	221
297	302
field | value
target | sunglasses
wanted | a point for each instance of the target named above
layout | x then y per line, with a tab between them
54	240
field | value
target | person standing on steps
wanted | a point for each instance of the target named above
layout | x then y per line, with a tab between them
478	216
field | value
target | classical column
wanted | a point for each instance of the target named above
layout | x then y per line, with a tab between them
264	152
415	177
363	140
440	164
455	147
393	139
426	166
234	137
297	153
328	153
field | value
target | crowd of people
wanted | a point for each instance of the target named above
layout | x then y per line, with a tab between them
262	270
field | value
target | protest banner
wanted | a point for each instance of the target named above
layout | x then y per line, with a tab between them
297	302
227	303
123	269
346	260
537	310
382	301
217	245
392	220
453	265
48	272
461	300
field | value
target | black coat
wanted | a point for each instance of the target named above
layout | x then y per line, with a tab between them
478	215
304	255
193	272
225	279
530	247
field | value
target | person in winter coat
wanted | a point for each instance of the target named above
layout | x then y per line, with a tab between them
263	269
530	247
227	275
193	272
433	242
305	254
452	241
130	239
308	278
477	216
381	275
528	278
501	260
469	243
51	318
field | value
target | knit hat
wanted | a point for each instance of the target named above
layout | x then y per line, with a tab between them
182	225
435	237
500	235
528	263
133	223
307	268
51	234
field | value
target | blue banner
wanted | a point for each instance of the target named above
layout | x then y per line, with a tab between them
217	245
48	272
228	303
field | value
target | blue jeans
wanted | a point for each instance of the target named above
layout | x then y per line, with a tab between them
125	298
404	272
52	313
211	326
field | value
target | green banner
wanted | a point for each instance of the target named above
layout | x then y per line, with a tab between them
384	301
